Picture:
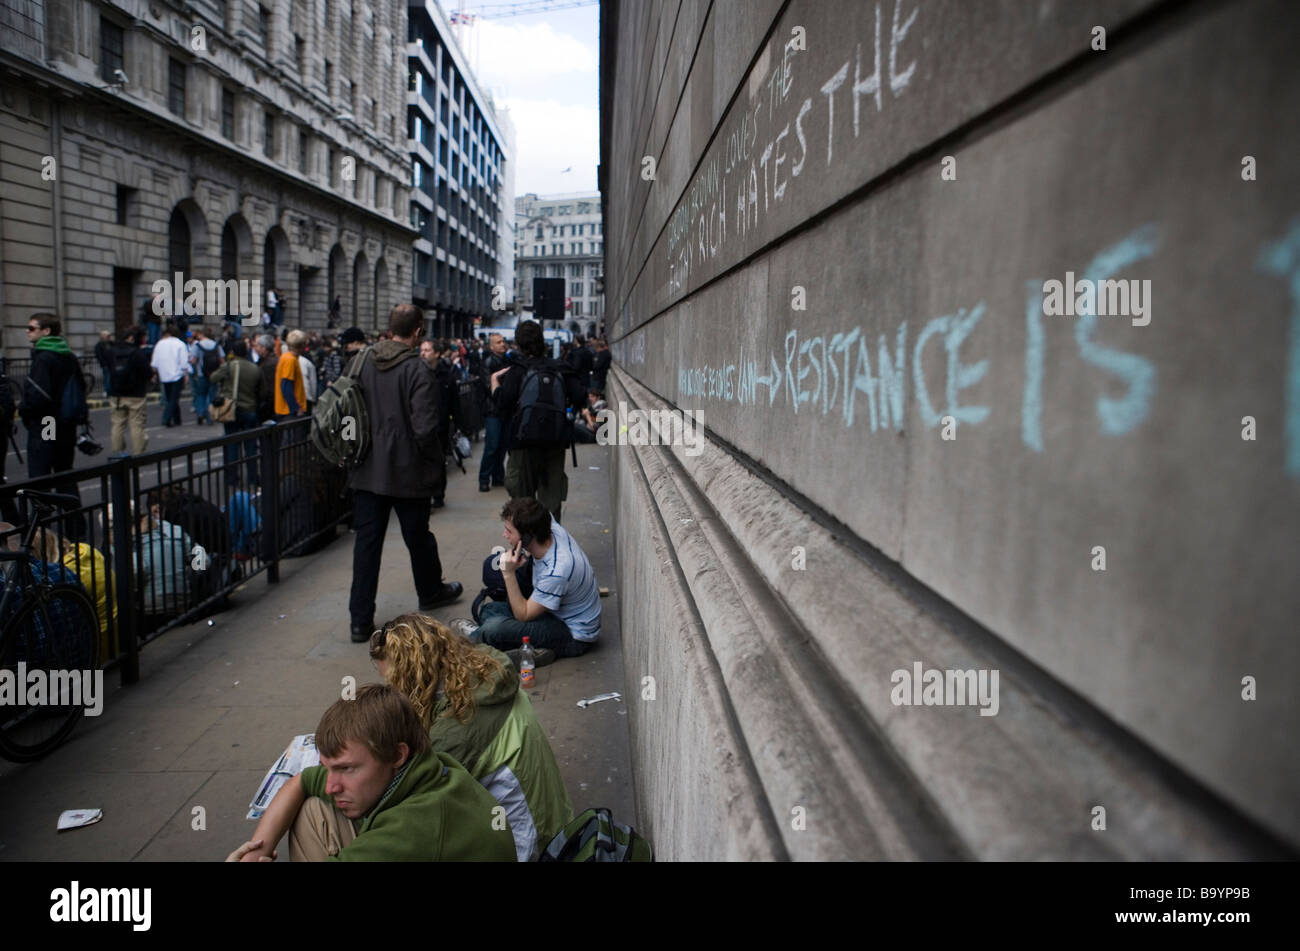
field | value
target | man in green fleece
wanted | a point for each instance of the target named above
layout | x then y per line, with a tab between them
51	440
380	795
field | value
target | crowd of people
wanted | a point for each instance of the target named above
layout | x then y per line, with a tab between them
424	766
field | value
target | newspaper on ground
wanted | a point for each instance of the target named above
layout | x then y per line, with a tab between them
76	818
298	755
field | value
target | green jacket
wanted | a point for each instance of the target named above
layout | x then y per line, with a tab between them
437	813
250	383
505	748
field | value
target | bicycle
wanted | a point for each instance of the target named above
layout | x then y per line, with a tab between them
48	626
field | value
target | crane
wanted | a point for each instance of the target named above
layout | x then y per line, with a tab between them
461	18
498	11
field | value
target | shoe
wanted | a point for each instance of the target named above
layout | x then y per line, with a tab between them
542	656
484	487
361	633
463	626
450	592
439	503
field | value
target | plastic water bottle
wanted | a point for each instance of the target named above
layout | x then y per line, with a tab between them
527	664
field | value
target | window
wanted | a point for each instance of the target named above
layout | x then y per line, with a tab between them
300	55
176	87
124	195
329	78
228	114
577	308
540	236
575	289
110	50
264	27
575	270
302	150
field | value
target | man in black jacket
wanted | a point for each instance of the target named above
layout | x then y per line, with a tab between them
536	471
582	360
129	375
403	470
51	441
600	365
493	464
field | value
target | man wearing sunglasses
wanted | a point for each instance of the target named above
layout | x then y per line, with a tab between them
51	441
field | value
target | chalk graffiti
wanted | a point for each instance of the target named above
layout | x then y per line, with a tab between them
759	178
1282	257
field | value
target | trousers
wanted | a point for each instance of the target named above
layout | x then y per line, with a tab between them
370	521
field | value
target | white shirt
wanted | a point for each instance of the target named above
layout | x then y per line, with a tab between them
171	358
308	377
565	584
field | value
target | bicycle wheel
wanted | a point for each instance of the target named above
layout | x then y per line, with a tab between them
54	635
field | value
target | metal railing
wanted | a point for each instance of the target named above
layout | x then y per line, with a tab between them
163	538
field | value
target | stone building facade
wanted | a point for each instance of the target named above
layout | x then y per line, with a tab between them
223	140
562	236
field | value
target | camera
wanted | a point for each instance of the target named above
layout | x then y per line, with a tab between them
87	444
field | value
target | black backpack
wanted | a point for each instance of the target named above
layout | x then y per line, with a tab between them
494	583
541	417
72	405
119	373
211	361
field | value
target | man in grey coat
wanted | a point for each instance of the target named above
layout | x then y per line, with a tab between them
403	470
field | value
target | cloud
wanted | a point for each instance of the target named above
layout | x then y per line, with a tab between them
552	136
515	57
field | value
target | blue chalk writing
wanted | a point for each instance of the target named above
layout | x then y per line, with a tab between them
1282	258
1119	416
1031	408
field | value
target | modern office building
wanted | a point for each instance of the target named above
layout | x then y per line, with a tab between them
562	236
461	181
220	140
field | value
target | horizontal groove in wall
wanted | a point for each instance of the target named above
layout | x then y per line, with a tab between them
1017	785
812	744
742	793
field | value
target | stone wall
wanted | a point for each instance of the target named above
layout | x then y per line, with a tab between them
830	228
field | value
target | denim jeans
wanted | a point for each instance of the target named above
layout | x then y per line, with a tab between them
493	464
502	631
202	396
171	401
152	332
244	421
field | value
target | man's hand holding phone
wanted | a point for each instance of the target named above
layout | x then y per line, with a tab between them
512	558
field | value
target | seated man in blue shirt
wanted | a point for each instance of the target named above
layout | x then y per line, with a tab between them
563	613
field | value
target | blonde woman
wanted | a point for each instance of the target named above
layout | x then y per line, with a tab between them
467	696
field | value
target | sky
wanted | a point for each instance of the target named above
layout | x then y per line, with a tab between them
544	68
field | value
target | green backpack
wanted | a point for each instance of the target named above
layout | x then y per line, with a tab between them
594	836
340	423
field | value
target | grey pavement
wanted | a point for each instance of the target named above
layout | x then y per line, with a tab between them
216	705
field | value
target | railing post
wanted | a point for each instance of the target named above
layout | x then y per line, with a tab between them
119	481
271	501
